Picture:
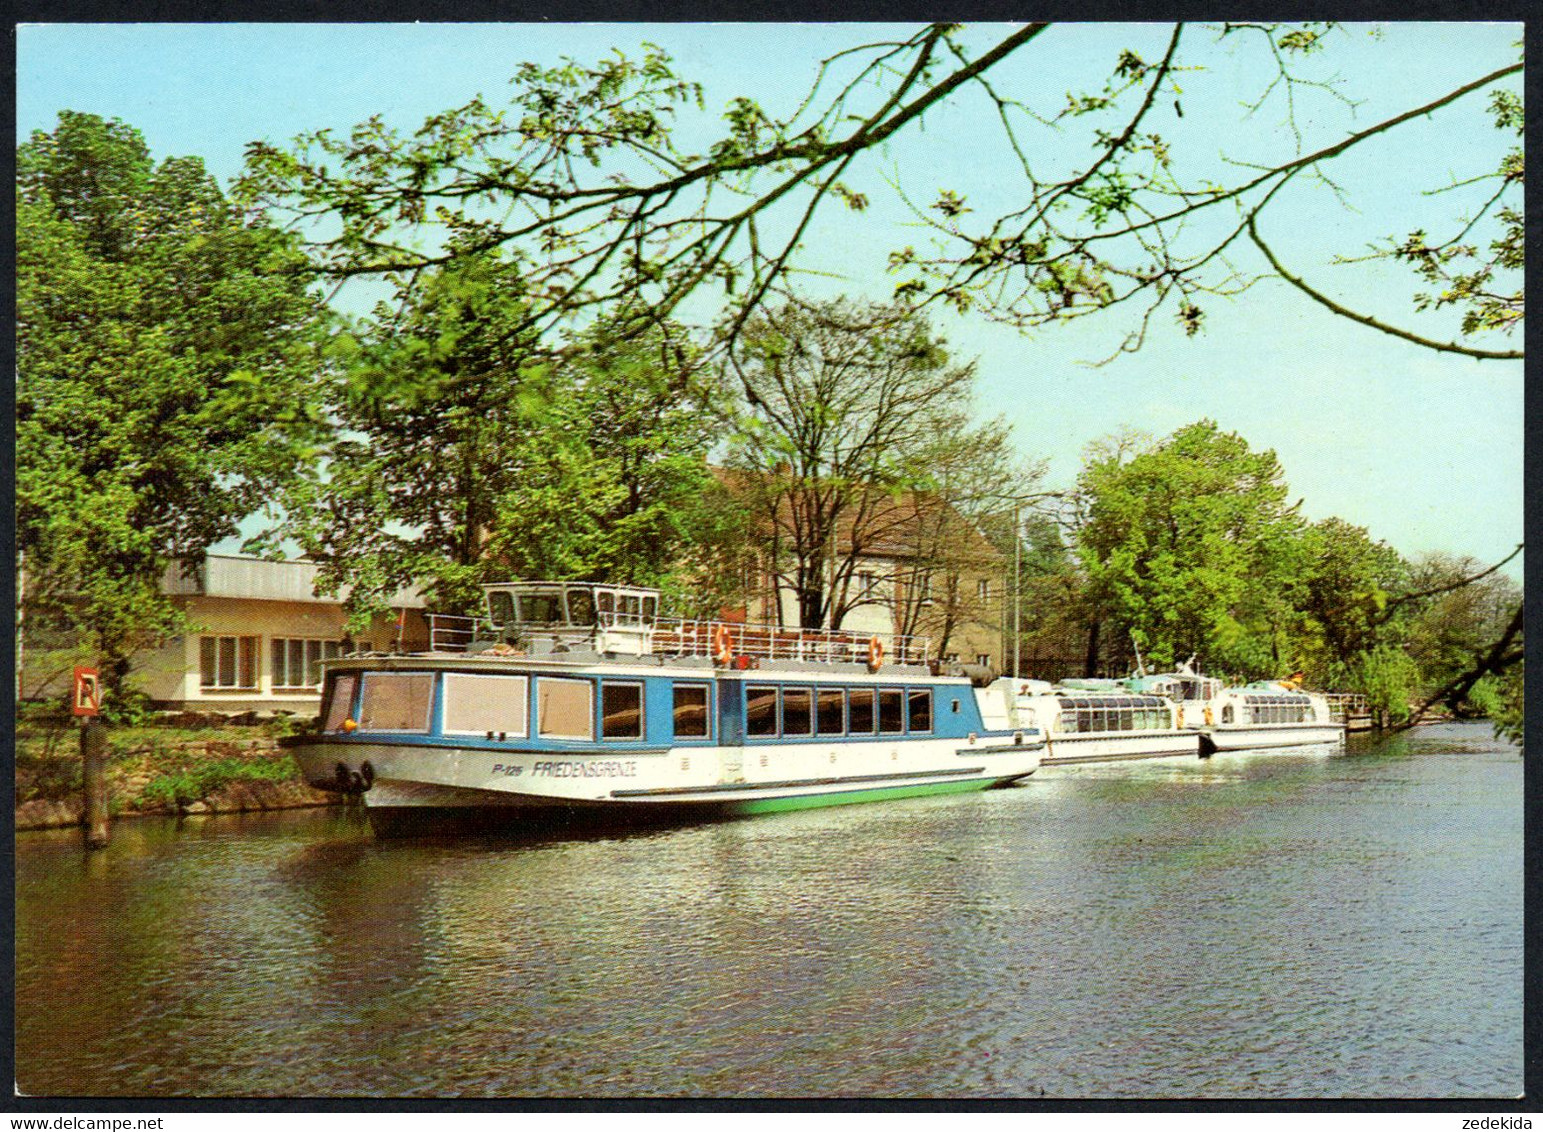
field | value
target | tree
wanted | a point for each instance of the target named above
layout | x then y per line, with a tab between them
584	168
1189	548
852	446
468	451
1467	626
1344	589
166	350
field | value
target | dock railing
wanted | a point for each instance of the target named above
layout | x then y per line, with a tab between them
1350	709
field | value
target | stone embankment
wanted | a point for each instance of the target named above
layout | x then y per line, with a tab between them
200	767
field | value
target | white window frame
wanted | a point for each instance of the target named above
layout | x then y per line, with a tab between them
235	686
323	644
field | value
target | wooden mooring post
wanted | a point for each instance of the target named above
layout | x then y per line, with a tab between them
93	756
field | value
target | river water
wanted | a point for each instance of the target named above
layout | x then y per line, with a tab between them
1264	926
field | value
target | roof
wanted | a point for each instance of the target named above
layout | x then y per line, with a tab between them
258	579
890	527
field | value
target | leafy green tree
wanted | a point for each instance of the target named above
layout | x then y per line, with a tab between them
1389	679
1138	210
469	451
166	353
1467	626
1189	546
1343	592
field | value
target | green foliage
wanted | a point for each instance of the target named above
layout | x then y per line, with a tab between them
586	175
1191	548
182	787
471	451
163	372
1507	710
1388	678
1343	590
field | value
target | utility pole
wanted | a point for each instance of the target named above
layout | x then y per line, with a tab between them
1017	581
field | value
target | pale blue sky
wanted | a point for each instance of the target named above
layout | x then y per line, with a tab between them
1424	449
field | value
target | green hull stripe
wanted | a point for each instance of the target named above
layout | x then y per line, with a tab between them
848	797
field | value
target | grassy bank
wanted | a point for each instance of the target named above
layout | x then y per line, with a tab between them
169	765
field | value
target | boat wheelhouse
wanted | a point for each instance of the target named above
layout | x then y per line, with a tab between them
1101	721
582	700
1265	714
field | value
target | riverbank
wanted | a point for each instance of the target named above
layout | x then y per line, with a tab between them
175	765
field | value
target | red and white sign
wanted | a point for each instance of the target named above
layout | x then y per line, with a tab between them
88	692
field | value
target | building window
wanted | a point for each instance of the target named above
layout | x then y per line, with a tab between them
297	660
866	583
983	659
924	589
983	589
227	662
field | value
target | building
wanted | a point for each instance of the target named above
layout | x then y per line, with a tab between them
259	632
912	566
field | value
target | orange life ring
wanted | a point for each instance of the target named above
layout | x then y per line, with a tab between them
723	646
875	654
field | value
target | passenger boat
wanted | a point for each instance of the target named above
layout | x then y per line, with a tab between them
1087	721
1264	714
577	700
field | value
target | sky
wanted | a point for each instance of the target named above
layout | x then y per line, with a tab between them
1423	449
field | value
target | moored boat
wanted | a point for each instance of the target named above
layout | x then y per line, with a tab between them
1258	716
1087	721
577	700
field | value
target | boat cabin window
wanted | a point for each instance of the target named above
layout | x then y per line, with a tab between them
396	701
501	607
621	710
796	718
565	709
581	607
691	720
340	700
831	718
860	707
807	712
542	607
1112	713
760	710
481	705
919	708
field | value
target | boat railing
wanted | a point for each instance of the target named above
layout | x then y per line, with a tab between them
682	637
451	633
678	636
